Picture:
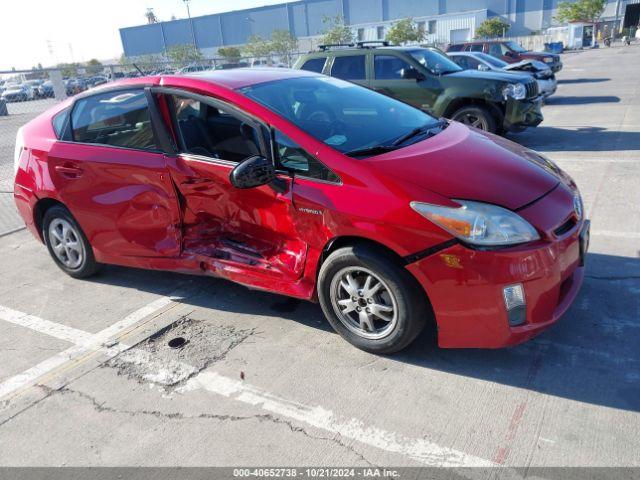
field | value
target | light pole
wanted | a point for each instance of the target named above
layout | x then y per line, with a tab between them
193	34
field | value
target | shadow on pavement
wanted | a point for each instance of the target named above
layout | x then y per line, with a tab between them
595	139
583	80
591	355
562	100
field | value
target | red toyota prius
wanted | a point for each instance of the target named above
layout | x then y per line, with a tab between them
308	186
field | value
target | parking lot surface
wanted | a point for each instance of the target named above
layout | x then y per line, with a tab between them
87	377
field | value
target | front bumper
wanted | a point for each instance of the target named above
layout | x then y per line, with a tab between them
556	67
523	113
547	87
465	287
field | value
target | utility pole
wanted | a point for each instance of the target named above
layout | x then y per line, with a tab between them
193	35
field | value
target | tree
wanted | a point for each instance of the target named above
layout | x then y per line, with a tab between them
184	54
257	46
284	45
69	69
405	31
230	54
580	11
336	31
94	67
492	27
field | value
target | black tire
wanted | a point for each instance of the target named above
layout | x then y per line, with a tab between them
410	304
476	116
86	263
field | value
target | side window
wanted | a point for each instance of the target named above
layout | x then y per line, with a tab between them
314	65
214	132
292	157
477	47
349	67
472	64
119	119
389	67
455	48
460	60
62	126
495	50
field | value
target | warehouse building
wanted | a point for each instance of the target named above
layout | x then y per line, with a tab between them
444	21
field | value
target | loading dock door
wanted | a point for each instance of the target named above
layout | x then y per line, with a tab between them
460	35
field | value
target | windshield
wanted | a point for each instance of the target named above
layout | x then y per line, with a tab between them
435	62
496	62
515	47
343	115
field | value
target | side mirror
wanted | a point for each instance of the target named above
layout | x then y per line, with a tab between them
411	74
252	172
483	68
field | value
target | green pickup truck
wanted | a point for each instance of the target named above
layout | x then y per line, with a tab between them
426	78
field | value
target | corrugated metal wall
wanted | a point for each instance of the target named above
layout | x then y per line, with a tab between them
304	19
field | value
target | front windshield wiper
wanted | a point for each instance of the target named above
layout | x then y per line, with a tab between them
370	151
425	129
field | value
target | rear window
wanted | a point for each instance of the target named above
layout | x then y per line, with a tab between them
61	125
349	67
455	48
119	119
477	47
314	65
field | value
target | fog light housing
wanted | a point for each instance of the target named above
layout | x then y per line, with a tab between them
515	304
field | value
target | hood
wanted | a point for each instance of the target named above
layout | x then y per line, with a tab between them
491	75
530	64
467	164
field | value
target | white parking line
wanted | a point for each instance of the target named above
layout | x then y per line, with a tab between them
57	330
423	451
84	342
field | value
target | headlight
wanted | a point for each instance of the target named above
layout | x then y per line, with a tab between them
479	223
515	90
18	150
548	60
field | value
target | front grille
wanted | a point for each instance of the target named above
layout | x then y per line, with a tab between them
532	89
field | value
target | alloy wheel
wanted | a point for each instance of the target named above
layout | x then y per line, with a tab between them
66	243
473	120
364	303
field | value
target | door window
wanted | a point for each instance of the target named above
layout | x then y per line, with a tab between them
293	157
119	119
214	132
314	65
349	67
497	49
476	47
472	63
389	67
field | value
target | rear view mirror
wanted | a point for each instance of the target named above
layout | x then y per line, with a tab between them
411	74
252	172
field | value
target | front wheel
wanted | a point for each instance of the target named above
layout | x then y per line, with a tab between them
67	244
373	303
476	116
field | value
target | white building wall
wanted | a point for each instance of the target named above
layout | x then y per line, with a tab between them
445	24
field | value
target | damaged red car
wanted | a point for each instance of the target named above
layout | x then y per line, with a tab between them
308	186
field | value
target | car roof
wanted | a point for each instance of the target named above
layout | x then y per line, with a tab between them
243	77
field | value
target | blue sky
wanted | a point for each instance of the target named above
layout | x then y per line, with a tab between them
53	31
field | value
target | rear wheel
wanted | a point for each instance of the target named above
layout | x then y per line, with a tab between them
372	302
476	116
67	244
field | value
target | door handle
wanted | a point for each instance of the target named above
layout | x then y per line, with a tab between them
69	171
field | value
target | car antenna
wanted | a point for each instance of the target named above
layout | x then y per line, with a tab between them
137	68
